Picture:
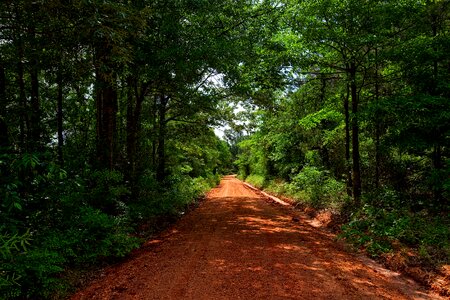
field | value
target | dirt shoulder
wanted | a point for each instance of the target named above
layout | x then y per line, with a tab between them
237	245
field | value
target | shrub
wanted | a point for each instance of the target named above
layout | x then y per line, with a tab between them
36	270
180	190
39	270
386	218
10	247
277	186
98	236
106	191
256	180
317	188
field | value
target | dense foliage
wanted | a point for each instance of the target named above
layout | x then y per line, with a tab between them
106	117
362	126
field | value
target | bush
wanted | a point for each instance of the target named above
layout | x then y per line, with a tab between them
70	228
316	188
96	236
181	190
185	189
10	247
256	180
32	266
77	221
107	190
39	271
382	221
277	186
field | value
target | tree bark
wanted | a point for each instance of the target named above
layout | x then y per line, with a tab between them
2	89
134	109
355	137
434	28
35	119
4	138
24	123
377	125
106	124
347	142
106	105
323	86
35	108
161	167
437	153
59	119
154	117
23	107
131	137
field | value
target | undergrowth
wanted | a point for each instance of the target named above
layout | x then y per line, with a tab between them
91	221
386	222
256	180
311	186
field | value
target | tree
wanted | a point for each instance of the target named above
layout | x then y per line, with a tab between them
338	38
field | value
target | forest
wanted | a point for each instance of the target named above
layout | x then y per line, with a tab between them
108	112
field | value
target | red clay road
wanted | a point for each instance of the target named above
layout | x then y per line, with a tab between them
237	245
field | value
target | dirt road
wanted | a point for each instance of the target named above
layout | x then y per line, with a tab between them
236	245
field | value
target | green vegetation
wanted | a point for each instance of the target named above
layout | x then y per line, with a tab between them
107	110
106	117
361	125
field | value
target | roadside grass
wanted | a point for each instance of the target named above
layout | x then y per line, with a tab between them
257	181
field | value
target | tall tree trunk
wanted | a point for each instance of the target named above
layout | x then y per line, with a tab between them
35	108
437	153
59	119
23	114
131	131
2	89
347	141
323	87
106	105
434	28
161	167
106	123
134	109
4	138
355	138
437	157
4	134
377	124
34	98
98	120
24	123
153	120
